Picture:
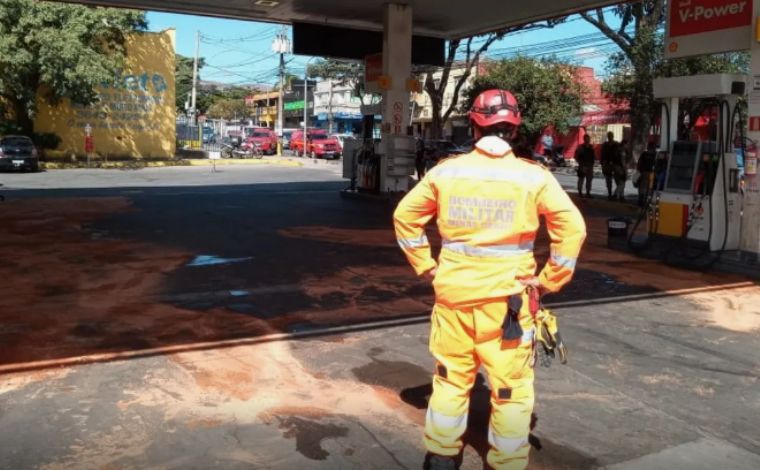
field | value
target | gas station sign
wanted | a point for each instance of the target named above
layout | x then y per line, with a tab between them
698	27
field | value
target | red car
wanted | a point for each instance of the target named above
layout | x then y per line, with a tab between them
265	138
319	144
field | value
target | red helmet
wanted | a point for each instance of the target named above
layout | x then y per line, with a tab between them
495	107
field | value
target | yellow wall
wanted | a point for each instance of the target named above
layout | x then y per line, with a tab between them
136	117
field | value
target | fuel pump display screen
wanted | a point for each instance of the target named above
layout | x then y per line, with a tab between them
682	166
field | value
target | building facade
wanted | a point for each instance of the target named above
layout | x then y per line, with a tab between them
135	115
265	106
457	127
337	109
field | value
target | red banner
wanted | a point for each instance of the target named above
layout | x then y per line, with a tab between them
700	16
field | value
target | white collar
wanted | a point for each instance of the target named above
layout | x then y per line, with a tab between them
493	146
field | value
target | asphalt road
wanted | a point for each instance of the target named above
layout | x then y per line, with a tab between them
252	318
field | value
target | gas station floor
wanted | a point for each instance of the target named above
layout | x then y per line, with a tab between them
275	325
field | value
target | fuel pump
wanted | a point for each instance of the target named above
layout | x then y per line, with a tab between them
696	205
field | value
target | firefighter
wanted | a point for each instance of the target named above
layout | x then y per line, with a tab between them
488	204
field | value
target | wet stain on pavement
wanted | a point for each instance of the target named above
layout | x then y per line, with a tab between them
395	375
308	427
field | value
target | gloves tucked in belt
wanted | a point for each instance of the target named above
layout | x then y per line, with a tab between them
547	334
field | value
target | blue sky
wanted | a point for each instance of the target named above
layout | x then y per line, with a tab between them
240	51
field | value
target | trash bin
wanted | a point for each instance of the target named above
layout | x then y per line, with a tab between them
617	232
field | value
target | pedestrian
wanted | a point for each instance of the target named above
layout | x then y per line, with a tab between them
488	204
619	172
645	167
610	155
585	157
547	141
419	159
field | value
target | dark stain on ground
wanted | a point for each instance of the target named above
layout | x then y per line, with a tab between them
309	435
395	375
371	295
86	329
419	290
333	300
127	340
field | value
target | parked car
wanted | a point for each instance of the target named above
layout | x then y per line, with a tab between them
341	138
208	136
318	145
286	135
17	152
264	137
437	150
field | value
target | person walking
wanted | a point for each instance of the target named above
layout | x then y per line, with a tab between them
645	167
585	157
488	205
619	172
610	155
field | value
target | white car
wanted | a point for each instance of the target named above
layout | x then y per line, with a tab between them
342	138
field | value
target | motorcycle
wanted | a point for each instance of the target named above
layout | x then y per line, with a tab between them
246	150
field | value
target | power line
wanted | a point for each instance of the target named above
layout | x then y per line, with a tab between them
262	35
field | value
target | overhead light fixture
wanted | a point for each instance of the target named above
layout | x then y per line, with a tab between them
266	3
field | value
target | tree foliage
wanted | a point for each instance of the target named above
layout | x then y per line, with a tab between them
462	54
228	109
637	37
341	72
65	50
641	60
546	90
183	75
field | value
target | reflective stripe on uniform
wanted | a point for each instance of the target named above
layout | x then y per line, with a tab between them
528	336
489	251
507	445
487	174
450	424
564	261
420	242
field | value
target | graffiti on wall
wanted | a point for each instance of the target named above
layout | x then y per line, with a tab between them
128	102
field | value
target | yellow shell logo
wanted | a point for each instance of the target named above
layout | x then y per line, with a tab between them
673	47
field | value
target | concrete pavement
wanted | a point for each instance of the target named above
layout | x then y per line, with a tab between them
178	318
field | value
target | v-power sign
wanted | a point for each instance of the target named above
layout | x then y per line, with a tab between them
707	26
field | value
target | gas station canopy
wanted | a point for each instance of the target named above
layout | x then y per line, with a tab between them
446	19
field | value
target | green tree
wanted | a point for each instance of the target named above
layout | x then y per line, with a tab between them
622	82
636	35
464	55
341	73
183	73
228	109
546	90
64	50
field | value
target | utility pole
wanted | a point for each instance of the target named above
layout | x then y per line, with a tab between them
281	45
193	97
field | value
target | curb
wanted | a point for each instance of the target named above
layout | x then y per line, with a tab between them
244	161
138	164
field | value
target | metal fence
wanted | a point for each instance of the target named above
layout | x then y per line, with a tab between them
189	136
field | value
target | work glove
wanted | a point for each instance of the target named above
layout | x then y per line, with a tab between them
548	336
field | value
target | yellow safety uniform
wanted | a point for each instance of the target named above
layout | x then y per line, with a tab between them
488	204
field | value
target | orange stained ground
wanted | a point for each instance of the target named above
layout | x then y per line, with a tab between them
69	294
